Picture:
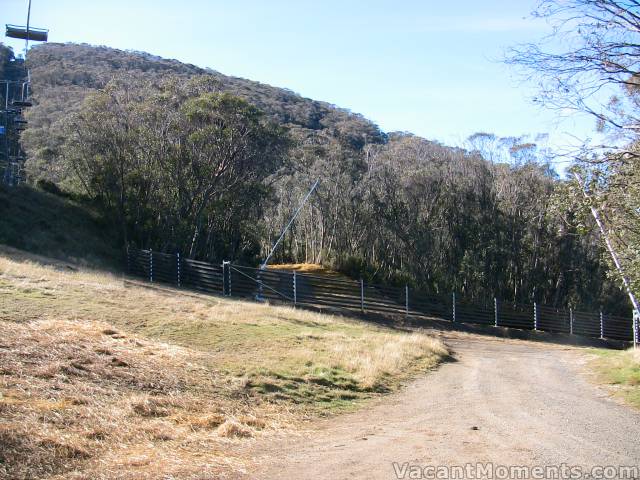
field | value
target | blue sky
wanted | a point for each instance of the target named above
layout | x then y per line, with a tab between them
428	67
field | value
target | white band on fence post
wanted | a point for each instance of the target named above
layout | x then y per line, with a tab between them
535	316
362	295
178	267
151	265
295	290
453	303
495	310
406	300
601	324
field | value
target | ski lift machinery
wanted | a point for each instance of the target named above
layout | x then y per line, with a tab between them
18	91
27	33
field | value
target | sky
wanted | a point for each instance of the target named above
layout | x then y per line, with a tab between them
428	67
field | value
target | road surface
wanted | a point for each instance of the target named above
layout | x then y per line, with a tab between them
501	402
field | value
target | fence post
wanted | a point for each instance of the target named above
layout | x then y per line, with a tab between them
151	265
224	288
601	325
362	295
128	260
453	302
636	319
226	280
535	316
571	321
406	300
178	267
495	310
295	290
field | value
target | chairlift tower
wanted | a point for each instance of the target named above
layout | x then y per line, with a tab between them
16	99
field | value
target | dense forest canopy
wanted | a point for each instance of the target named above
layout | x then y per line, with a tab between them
187	159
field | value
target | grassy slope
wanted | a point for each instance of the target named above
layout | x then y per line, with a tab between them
100	376
621	371
51	225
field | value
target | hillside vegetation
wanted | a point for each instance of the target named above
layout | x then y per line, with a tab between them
104	379
186	159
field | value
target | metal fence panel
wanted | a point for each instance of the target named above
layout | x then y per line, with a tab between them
313	290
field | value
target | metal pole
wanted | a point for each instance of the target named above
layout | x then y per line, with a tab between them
614	257
406	300
454	306
226	278
178	267
601	324
362	295
275	245
151	265
495	310
571	321
26	45
535	316
295	290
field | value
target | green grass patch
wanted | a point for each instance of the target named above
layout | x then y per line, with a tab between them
620	370
281	355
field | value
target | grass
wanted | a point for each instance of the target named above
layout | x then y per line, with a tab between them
100	376
52	225
621	371
311	268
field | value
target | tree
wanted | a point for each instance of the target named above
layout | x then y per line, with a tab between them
597	71
172	162
589	62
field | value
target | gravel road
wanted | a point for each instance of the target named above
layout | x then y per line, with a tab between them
505	402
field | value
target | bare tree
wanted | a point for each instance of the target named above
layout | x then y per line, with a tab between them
590	62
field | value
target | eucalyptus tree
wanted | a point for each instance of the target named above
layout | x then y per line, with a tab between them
176	163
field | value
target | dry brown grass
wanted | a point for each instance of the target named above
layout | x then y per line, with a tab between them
103	380
312	268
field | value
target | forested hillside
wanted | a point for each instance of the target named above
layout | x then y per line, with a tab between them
63	74
190	160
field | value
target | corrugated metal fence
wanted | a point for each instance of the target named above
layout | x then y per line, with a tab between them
310	290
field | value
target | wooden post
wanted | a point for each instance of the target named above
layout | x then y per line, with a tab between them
362	295
495	310
151	265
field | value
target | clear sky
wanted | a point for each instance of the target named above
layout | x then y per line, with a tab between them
428	67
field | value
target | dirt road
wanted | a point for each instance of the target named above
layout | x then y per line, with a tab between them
507	402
